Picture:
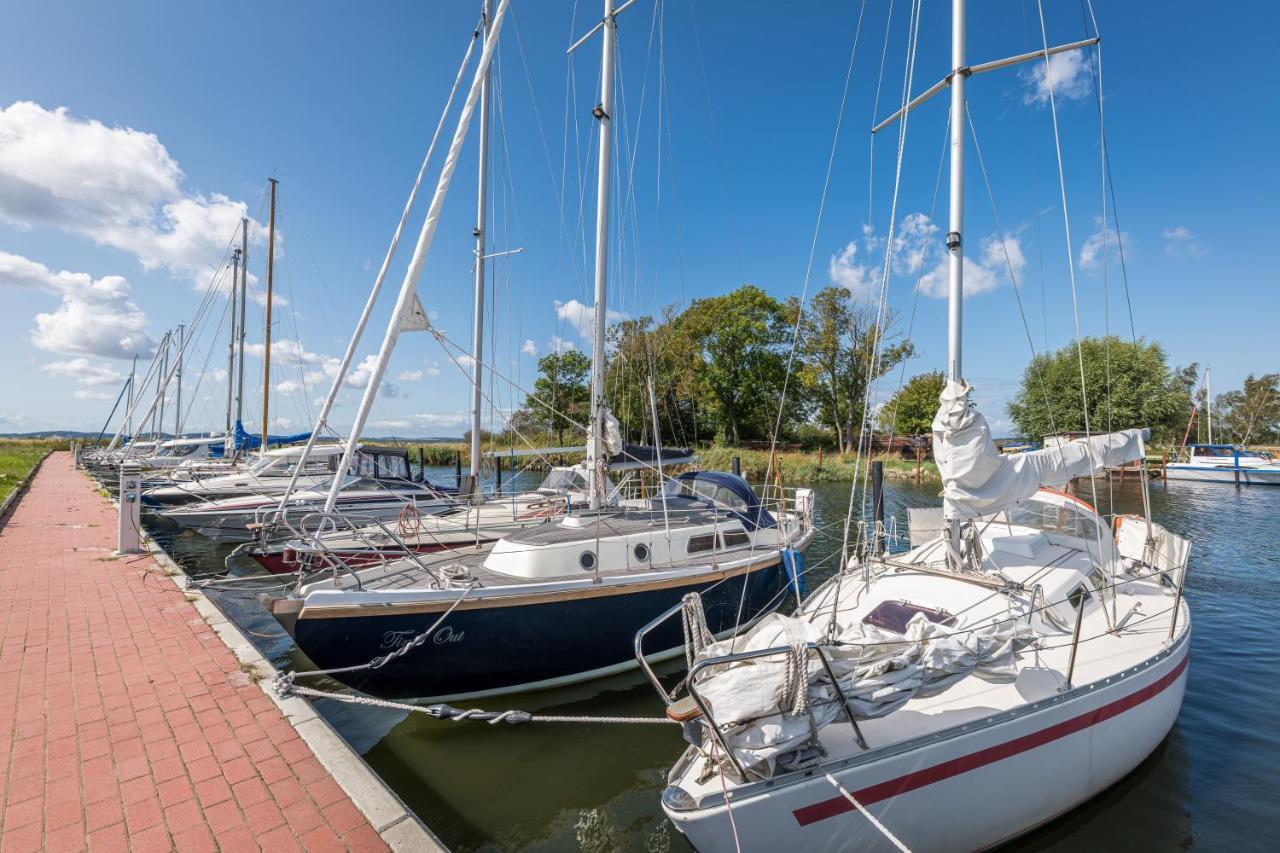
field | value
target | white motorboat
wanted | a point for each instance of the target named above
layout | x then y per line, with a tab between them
1224	463
380	488
269	474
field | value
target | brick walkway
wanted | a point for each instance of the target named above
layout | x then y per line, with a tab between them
125	723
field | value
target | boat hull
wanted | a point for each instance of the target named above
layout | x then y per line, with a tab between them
1213	474
287	561
540	641
979	786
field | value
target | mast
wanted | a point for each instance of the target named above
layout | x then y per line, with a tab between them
406	315
244	281
266	350
157	418
955	226
604	116
177	399
482	198
1208	400
133	377
231	351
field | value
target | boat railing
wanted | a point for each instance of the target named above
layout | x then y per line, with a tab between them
389	546
690	681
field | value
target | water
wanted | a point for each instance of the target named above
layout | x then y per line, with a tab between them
597	788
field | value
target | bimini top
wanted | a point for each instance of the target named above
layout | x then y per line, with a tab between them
723	490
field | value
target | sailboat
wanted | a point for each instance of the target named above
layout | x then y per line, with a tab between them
1220	463
999	673
559	602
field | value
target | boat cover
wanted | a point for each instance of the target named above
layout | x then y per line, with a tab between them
245	441
978	480
753	702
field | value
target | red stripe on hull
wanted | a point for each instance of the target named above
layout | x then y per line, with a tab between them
990	755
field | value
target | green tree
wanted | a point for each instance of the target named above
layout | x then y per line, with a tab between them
842	352
1251	414
1126	384
739	337
561	397
911	410
641	351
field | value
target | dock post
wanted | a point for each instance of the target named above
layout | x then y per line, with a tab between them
737	465
877	508
457	469
422	464
497	473
129	530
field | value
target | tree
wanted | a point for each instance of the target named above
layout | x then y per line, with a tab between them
561	397
1127	384
742	366
1251	414
843	352
911	410
641	351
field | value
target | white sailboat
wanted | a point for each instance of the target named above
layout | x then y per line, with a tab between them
561	601
998	674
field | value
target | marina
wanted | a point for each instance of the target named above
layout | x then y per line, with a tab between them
848	490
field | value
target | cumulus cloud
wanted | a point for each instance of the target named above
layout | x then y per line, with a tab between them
115	185
410	375
846	272
92	394
529	348
432	368
1101	244
82	371
97	317
559	344
989	270
915	241
1067	74
582	317
1180	243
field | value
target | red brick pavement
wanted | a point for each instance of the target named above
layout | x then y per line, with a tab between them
125	723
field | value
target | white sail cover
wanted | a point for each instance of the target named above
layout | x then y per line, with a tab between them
978	480
612	438
752	701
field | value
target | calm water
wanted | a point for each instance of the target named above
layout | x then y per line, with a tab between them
596	788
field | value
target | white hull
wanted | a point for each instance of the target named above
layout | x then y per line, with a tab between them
1007	775
1269	476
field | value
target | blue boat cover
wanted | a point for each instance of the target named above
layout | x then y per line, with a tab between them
725	491
245	441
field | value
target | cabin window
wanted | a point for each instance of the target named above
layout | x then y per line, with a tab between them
1078	596
736	538
700	543
393	467
895	615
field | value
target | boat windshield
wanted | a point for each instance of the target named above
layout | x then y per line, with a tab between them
1067	519
706	490
563	480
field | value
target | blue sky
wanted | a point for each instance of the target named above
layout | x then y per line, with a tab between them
133	134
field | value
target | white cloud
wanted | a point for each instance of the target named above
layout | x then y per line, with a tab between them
290	386
529	348
432	368
1067	74
465	363
1180	243
582	317
846	272
915	241
115	185
983	273
89	394
434	423
1103	243
559	344
97	317
410	375
82	371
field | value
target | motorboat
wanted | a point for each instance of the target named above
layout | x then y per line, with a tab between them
379	488
556	603
268	475
1224	463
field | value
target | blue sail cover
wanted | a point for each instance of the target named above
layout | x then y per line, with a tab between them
245	441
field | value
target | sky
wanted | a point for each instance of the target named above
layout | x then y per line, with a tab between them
134	136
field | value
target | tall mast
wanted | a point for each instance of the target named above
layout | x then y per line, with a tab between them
133	378
231	351
407	313
955	228
266	351
177	398
604	116
482	198
244	281
157	417
1208	401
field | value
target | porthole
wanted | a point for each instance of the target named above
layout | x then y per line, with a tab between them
587	559
642	552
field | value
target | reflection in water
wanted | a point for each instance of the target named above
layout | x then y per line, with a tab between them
597	788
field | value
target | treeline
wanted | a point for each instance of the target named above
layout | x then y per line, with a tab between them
724	370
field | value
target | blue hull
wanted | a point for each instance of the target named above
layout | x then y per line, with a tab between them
495	649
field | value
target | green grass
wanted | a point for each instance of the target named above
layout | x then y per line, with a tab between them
18	457
796	466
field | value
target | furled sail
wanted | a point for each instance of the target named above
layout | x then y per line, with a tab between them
245	441
978	480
